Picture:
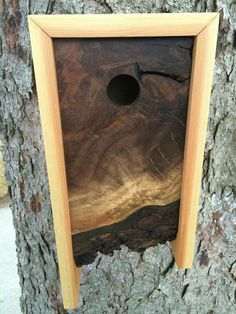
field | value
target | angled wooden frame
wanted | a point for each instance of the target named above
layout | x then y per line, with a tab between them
43	28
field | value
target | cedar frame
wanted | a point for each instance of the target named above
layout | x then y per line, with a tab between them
43	28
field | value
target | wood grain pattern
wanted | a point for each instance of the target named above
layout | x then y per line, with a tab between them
142	229
120	159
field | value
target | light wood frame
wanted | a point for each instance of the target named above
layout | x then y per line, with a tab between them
43	28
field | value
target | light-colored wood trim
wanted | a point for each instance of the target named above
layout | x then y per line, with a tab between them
199	99
42	29
123	25
45	75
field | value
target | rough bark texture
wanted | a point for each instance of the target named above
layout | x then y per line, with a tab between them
126	282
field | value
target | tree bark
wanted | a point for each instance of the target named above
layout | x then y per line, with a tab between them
126	282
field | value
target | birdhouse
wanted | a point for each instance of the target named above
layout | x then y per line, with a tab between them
124	103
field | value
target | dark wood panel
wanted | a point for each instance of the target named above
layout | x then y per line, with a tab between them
144	228
120	159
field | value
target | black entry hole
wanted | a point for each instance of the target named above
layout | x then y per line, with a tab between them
123	89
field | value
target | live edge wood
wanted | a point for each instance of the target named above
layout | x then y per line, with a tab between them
204	27
122	158
144	228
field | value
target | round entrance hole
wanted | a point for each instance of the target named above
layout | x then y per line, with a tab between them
123	89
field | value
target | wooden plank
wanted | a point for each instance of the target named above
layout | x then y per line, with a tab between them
123	157
199	99
123	25
50	119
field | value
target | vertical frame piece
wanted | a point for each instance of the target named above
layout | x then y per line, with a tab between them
43	28
198	107
45	74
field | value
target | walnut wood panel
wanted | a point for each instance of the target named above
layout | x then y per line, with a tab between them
120	159
142	229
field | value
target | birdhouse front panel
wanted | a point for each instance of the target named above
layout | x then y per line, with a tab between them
123	107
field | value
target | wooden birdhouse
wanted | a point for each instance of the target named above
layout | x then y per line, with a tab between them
124	104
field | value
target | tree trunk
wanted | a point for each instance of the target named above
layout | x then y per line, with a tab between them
126	282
